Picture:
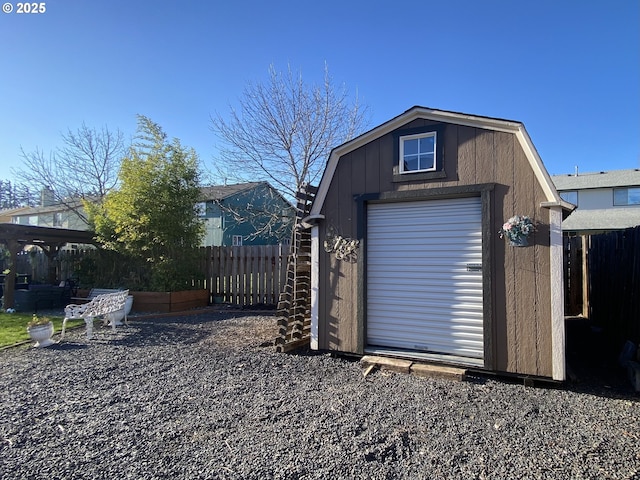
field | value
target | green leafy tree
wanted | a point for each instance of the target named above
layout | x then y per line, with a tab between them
152	217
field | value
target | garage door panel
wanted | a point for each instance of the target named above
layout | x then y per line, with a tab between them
441	343
442	257
465	317
428	265
441	338
416	307
396	281
420	294
398	246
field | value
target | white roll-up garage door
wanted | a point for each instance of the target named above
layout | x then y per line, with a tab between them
424	282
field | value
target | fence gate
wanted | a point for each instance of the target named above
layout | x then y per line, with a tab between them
576	290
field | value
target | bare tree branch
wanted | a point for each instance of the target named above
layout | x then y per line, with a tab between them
284	130
85	167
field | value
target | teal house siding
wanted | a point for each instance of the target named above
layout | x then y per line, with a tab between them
246	214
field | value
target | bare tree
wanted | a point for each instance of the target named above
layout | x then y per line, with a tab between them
85	167
284	130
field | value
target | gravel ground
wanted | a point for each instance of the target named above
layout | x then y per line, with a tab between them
204	396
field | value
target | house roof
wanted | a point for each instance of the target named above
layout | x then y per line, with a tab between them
7	214
220	192
602	219
582	181
416	112
12	211
58	207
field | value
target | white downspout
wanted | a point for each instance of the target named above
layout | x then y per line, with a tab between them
315	276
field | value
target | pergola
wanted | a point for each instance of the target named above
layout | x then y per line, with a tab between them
50	240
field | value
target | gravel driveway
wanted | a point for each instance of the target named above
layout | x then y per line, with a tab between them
202	396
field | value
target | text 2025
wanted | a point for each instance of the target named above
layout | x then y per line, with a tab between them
31	7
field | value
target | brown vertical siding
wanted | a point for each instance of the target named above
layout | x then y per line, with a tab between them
371	172
339	331
465	162
523	263
504	295
521	319
542	251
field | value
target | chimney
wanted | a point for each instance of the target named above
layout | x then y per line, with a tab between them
46	197
576	170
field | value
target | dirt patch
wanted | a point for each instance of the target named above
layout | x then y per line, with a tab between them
255	331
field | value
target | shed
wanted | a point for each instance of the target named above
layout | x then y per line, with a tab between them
406	257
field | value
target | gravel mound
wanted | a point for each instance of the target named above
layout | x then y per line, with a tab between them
205	397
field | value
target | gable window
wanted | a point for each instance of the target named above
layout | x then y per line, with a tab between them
570	196
626	196
236	241
418	152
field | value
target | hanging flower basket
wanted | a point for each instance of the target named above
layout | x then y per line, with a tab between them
520	241
516	230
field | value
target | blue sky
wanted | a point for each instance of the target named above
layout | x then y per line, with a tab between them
569	70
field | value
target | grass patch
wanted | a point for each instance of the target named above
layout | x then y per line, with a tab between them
13	327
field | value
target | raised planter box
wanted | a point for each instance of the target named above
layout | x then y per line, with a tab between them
165	302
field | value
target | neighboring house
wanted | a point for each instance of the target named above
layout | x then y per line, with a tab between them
419	200
6	216
245	214
51	214
605	201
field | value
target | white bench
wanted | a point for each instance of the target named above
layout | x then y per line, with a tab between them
101	304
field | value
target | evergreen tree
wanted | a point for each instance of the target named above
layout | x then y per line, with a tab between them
152	216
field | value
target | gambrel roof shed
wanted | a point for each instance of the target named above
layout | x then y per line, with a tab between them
406	256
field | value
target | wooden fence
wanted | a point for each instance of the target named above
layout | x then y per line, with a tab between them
614	285
247	275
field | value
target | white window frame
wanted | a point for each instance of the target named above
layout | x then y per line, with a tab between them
236	240
418	136
568	196
627	191
201	209
57	219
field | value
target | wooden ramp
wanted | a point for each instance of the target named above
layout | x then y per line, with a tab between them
294	305
419	369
